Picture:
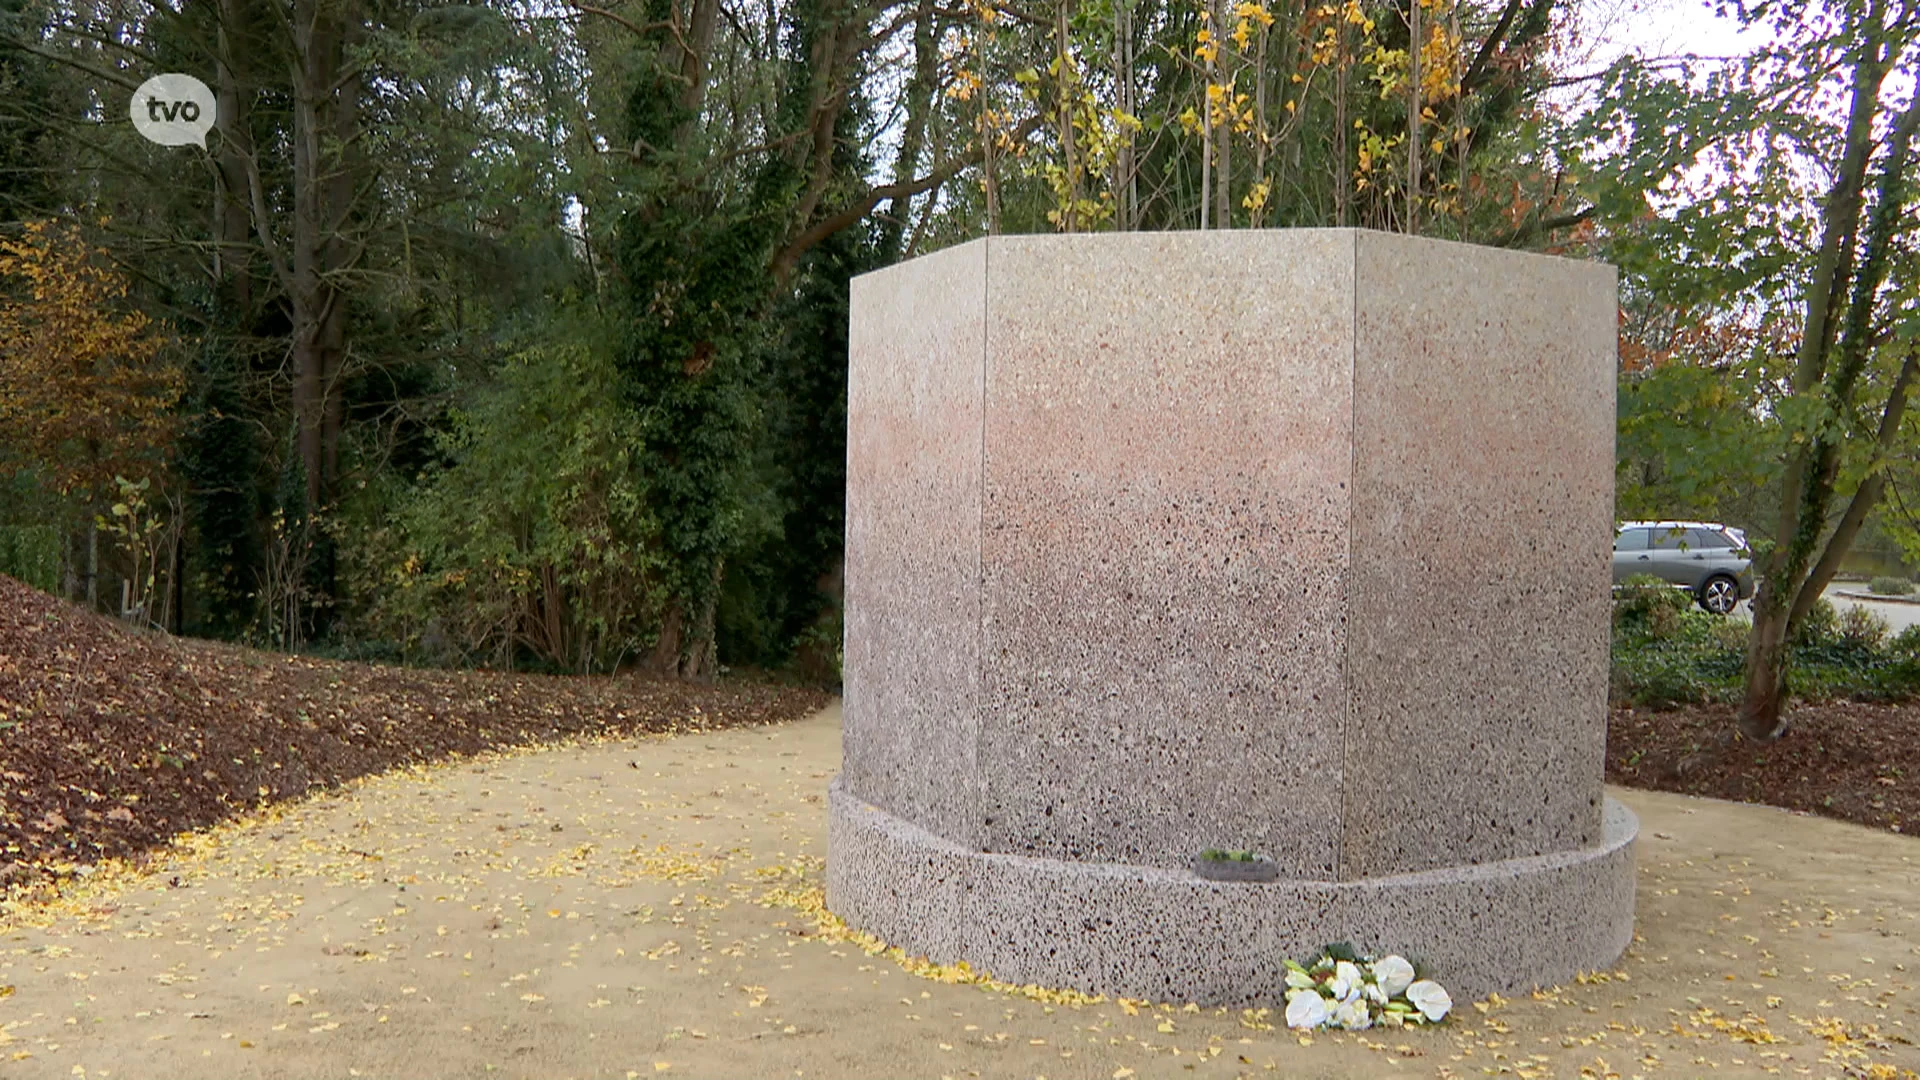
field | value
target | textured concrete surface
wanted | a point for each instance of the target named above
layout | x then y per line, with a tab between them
1167	423
1480	582
1294	541
913	630
1166	935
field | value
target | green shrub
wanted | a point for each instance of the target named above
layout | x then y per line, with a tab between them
1664	673
1851	670
533	545
818	655
1648	607
1897	680
1701	628
1820	626
1731	634
1860	626
1700	659
1905	644
31	553
1891	586
357	651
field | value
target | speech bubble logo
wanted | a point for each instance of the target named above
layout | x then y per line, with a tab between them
173	110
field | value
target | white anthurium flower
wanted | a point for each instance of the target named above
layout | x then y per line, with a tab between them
1352	1014
1375	994
1394	975
1430	998
1299	980
1347	981
1307	1011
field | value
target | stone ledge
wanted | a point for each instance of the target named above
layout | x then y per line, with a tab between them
1165	935
1877	598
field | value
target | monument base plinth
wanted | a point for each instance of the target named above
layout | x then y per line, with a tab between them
1168	936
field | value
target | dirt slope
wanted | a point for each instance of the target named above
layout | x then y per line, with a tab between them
1855	761
112	740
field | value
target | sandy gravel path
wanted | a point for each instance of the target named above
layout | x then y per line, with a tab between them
641	908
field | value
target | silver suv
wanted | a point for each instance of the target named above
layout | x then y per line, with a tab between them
1706	559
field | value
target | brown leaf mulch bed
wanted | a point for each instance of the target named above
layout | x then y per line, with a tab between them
112	741
1850	760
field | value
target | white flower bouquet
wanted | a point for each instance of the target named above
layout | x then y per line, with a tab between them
1354	993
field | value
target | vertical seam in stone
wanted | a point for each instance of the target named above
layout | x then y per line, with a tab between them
980	564
1346	593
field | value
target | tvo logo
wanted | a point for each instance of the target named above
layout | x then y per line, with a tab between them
173	110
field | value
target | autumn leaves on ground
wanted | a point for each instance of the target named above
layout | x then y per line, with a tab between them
113	741
634	902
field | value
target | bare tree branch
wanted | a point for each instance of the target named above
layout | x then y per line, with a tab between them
789	255
113	77
642	29
1471	79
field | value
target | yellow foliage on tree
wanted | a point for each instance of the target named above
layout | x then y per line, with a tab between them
86	387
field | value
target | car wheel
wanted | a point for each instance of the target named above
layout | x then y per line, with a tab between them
1719	595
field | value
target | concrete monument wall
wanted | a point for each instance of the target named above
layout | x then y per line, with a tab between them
1293	541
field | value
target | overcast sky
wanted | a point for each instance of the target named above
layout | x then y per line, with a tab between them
1656	28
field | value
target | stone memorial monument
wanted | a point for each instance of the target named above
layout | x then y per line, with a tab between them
1295	542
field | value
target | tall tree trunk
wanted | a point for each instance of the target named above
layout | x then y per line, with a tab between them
176	587
702	662
919	94
340	181
325	128
1832	269
1206	135
1255	220
1414	42
93	564
1849	261
1223	167
683	51
700	27
1125	216
69	577
1455	116
1342	179
665	657
315	39
989	180
233	282
1065	84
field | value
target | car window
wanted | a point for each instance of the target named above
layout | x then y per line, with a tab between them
1709	538
1631	540
1672	539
